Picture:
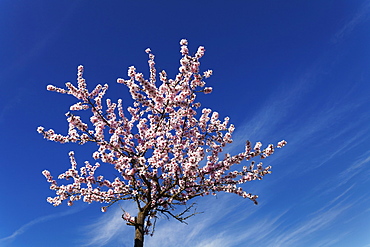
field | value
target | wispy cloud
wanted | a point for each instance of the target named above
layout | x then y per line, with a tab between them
109	228
275	110
354	169
343	146
36	221
254	229
331	241
236	224
322	219
361	15
268	229
172	233
341	178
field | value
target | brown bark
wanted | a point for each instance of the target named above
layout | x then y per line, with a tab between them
139	230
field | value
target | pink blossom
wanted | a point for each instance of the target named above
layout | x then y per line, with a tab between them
164	148
51	88
207	90
258	145
184	50
207	73
281	144
200	52
183	42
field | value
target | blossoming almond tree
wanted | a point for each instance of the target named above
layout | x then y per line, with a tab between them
165	151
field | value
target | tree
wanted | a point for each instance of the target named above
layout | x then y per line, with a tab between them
163	149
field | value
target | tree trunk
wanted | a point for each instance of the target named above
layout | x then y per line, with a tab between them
139	230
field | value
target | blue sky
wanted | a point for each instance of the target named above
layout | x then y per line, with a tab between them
297	70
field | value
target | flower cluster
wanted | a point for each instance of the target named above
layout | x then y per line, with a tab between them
165	150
